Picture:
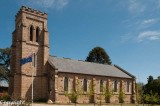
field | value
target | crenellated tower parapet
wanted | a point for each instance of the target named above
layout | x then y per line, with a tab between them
30	36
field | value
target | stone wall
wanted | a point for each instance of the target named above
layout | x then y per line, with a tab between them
23	47
98	96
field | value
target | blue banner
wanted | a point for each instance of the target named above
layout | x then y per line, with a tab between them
26	60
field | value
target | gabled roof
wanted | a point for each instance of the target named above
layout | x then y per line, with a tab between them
82	67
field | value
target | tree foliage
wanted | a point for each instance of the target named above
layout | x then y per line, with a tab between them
139	94
98	55
150	79
152	91
151	98
121	97
5	55
108	94
91	92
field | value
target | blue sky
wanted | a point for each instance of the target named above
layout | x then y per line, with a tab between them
129	30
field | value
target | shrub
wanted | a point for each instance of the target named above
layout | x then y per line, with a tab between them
133	98
151	98
73	96
108	95
4	96
91	92
121	97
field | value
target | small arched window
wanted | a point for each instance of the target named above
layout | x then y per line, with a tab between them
37	34
85	85
31	33
115	86
127	86
101	85
65	84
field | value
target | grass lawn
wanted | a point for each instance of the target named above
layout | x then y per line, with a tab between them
36	104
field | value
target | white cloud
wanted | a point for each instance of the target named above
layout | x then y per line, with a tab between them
148	23
135	6
57	4
150	35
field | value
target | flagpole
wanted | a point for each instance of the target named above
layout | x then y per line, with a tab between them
32	74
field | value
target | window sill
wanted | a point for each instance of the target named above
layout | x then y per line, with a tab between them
128	93
32	43
115	93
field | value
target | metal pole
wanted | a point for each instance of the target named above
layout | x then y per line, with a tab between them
32	74
32	86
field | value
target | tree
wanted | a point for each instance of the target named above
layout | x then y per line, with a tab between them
91	92
151	90
152	98
121	97
108	94
139	94
5	55
98	55
150	79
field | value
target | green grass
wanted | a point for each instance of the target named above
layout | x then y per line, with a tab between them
95	105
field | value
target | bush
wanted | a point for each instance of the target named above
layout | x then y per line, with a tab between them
91	92
91	98
108	95
73	96
151	98
133	98
4	96
121	97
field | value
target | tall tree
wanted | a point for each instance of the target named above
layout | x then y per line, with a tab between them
5	55
150	79
98	55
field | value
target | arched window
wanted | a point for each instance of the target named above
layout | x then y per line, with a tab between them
127	86
101	85
31	33
115	86
65	84
37	34
85	85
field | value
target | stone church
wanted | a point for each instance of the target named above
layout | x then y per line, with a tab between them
54	77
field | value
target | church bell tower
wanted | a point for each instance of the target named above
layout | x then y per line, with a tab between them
30	36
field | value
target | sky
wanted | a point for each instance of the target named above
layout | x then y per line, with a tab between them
129	30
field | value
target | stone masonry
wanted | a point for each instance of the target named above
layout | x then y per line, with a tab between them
58	94
31	37
22	47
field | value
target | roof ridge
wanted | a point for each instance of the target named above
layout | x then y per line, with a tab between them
81	60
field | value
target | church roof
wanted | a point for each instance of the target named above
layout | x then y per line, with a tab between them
82	67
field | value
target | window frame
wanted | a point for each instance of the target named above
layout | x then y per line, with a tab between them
115	87
85	85
31	29
65	84
128	86
37	34
101	85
